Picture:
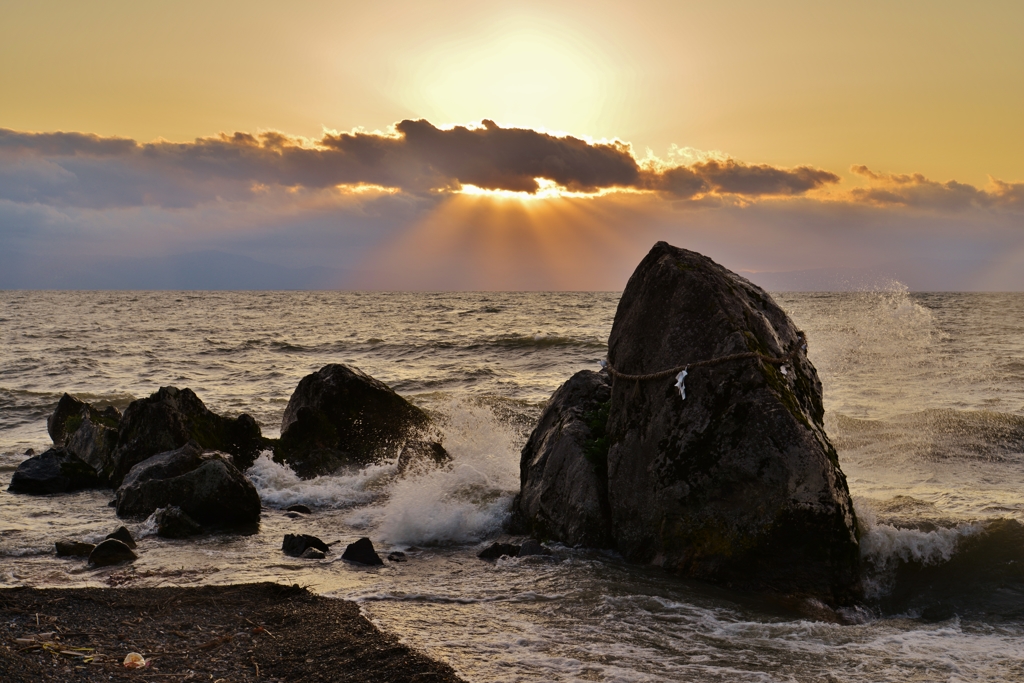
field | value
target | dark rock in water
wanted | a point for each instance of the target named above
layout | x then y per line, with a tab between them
111	551
421	455
532	547
563	469
738	482
204	484
86	432
169	419
296	544
55	471
299	508
30	451
172	522
74	548
496	550
362	552
397	556
340	416
122	534
312	554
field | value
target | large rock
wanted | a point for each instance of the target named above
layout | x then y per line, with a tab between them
169	419
55	471
86	432
339	416
738	483
564	466
205	485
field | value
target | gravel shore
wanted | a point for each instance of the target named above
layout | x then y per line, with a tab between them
252	632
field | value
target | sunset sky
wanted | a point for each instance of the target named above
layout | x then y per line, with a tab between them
526	145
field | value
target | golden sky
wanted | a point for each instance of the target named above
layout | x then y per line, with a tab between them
892	100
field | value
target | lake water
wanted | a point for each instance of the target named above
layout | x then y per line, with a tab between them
924	397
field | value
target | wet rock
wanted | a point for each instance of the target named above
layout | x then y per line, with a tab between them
54	471
313	554
74	548
296	544
172	417
496	550
30	451
122	534
532	547
738	483
172	522
362	552
302	509
340	416
205	485
422	455
563	469
86	432
397	556
111	551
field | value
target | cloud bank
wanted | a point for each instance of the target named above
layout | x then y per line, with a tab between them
83	170
391	210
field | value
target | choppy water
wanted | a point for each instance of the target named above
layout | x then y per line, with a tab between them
924	397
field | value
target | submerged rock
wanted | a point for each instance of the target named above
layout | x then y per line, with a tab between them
172	417
738	482
563	469
297	544
397	556
86	432
74	548
172	522
532	547
301	509
362	552
496	550
204	484
339	416
54	471
418	454
111	551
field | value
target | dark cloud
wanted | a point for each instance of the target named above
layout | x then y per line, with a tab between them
916	191
735	178
84	170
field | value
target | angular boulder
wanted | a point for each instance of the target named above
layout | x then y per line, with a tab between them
54	471
87	432
362	552
169	419
205	485
339	416
122	534
563	469
738	482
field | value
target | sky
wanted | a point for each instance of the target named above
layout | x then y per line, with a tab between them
526	145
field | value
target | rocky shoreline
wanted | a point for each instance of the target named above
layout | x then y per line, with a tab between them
251	632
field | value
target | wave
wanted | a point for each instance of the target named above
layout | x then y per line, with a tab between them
543	341
935	434
969	569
